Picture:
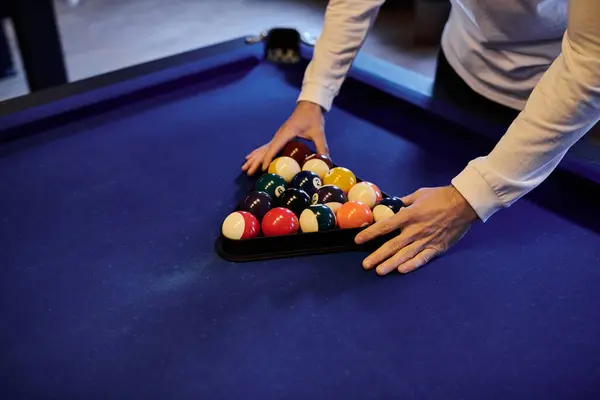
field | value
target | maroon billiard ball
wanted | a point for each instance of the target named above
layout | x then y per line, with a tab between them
321	157
297	150
320	164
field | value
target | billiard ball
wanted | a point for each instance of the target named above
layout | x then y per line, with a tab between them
354	214
387	208
366	193
280	221
286	167
296	150
272	184
317	218
340	177
256	203
333	206
377	191
296	200
328	194
307	181
320	164
240	225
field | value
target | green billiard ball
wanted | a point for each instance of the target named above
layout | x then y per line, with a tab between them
317	218
272	184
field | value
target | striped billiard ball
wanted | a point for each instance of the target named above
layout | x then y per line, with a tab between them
240	225
317	218
387	208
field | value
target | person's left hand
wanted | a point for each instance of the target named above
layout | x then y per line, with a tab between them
433	220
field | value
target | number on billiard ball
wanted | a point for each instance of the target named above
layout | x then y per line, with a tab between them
328	194
307	181
272	184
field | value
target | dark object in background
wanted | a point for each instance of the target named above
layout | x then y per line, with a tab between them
283	46
7	67
35	27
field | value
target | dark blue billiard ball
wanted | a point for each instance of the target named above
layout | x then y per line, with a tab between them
257	203
328	194
307	181
395	203
387	208
296	200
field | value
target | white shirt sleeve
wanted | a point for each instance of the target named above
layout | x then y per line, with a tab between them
562	108
347	23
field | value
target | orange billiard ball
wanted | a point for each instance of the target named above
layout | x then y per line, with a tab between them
354	214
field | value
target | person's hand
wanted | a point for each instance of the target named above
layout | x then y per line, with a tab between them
306	122
433	220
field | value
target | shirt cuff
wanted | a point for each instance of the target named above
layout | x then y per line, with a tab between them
317	94
478	193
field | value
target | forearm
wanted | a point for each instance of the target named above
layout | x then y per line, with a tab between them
562	108
346	25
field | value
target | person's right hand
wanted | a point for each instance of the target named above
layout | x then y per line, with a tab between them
306	122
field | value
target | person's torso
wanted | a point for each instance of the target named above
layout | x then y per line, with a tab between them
501	48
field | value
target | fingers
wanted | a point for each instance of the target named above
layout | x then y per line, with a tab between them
424	257
399	220
321	143
400	257
252	163
279	141
409	199
387	250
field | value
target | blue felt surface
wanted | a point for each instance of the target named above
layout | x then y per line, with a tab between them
110	287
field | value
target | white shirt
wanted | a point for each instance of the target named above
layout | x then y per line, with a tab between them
502	50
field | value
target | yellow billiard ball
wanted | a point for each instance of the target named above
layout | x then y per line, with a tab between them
340	177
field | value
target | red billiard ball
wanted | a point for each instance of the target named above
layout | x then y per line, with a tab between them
297	150
240	225
280	221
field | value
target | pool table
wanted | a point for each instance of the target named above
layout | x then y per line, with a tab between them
112	195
